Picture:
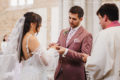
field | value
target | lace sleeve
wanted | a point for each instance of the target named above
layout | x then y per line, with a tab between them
39	56
46	57
53	57
45	60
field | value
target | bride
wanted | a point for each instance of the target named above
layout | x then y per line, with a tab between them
36	63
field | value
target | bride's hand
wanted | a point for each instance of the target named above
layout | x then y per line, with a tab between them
52	45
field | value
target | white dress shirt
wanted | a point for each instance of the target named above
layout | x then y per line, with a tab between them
71	33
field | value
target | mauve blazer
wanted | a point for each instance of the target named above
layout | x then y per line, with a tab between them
71	67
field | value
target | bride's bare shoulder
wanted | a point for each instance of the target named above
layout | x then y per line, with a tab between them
33	38
29	37
33	43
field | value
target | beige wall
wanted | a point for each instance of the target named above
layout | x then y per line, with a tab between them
9	16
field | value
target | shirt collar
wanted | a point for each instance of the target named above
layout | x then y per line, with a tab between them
113	24
75	29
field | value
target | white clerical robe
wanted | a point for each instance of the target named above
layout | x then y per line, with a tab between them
104	62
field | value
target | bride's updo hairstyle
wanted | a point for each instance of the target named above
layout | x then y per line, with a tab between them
30	17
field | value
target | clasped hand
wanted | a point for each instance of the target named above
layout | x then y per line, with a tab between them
84	57
60	49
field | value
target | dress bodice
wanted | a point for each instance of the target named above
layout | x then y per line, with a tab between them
27	44
35	65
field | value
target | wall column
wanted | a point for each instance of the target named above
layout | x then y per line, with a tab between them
92	20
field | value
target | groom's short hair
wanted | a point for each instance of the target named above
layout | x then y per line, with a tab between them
77	10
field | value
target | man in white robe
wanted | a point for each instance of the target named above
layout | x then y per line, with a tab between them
104	62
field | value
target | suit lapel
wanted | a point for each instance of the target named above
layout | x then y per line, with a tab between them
65	37
57	70
78	32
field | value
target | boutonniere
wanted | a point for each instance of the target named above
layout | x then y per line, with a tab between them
66	31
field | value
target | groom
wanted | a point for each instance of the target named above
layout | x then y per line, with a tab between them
73	41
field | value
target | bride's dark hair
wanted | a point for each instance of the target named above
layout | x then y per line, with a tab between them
30	17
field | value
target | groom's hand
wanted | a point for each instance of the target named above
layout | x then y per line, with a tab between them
60	49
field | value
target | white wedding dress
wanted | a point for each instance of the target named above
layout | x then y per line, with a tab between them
31	69
34	67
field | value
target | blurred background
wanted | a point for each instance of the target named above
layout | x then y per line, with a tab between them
54	15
